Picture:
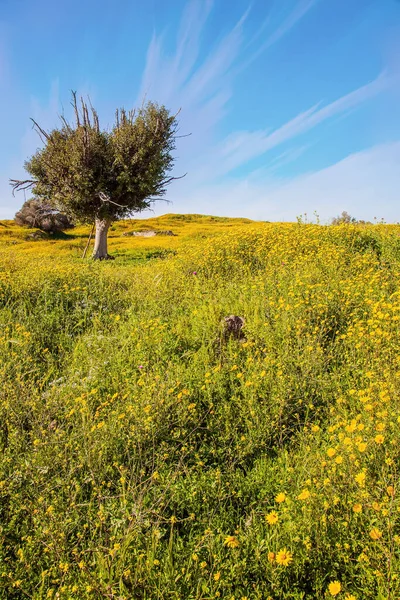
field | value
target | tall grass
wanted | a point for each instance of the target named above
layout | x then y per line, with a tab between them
146	456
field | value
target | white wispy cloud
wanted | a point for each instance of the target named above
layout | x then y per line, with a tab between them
203	87
299	11
201	83
241	147
364	183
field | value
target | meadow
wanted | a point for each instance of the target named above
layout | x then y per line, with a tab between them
146	456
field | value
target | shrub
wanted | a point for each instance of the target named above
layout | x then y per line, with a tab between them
41	215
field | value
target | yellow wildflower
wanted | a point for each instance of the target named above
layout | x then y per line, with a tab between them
334	588
360	478
272	518
375	534
304	495
284	557
231	541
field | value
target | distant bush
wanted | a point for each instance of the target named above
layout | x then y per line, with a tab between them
346	218
343	218
35	213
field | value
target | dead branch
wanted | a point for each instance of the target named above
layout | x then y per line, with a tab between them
169	179
74	104
88	242
65	122
21	184
95	115
40	131
177	113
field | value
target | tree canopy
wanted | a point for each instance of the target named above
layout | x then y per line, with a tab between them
103	175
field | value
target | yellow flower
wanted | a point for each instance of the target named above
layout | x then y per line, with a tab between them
272	518
390	490
376	506
334	588
375	534
339	460
284	557
217	576
357	508
231	541
362	447
380	427
379	439
331	452
280	498
360	478
304	495
350	597
271	557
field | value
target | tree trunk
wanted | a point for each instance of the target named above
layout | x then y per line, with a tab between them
100	241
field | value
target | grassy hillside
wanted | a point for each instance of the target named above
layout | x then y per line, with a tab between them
146	456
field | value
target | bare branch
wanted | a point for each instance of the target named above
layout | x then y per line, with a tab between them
96	123
177	113
169	179
21	184
106	198
74	104
40	131
143	101
83	113
157	199
65	123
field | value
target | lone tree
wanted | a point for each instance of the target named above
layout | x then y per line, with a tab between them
98	176
35	213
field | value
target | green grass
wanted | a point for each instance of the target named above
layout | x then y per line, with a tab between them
143	455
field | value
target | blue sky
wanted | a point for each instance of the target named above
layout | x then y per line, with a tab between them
292	105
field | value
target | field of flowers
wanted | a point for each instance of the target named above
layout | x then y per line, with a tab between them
145	456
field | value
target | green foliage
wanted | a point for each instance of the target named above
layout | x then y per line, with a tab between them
90	173
144	457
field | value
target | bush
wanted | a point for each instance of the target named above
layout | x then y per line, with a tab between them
35	213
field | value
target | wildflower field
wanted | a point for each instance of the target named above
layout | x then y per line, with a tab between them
145	455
